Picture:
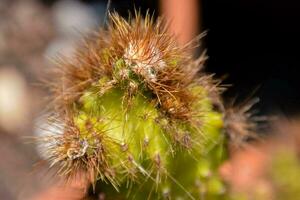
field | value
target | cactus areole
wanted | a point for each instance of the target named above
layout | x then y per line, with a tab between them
136	116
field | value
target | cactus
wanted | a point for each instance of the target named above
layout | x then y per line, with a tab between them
136	115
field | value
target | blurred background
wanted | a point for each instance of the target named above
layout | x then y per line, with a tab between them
252	45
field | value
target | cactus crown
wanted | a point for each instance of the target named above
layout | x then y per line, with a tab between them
133	107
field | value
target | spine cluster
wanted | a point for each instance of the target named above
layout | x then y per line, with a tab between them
135	114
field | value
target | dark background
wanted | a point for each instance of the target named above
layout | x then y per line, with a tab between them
257	43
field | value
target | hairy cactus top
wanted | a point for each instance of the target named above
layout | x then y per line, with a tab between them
135	113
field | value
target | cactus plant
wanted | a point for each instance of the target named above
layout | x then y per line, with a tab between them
136	115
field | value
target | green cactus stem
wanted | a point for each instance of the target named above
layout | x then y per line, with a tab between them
137	116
